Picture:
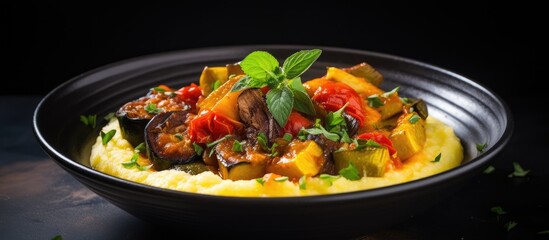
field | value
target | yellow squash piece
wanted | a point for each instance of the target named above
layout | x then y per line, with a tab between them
222	100
364	70
360	85
408	137
301	159
370	160
209	76
391	106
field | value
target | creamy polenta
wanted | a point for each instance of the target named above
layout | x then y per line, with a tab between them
440	139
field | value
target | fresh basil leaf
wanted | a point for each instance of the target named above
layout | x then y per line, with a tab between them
336	118
302	183
280	103
296	84
198	149
345	137
316	131
350	172
106	137
299	62
389	93
414	118
375	101
259	65
303	103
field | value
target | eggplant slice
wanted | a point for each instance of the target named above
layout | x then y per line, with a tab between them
253	111
167	142
133	116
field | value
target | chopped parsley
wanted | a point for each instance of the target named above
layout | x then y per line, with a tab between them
209	145
329	178
260	180
108	116
152	109
281	179
198	149
375	101
140	148
519	171
350	172
481	147
489	169
510	225
287	137
414	118
437	158
133	163
89	120
237	146
390	93
106	137
178	136
303	183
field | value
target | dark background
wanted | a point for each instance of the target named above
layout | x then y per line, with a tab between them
499	46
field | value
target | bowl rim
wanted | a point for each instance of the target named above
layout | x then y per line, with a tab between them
468	167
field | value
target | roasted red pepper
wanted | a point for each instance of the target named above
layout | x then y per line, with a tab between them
295	123
211	126
189	94
334	95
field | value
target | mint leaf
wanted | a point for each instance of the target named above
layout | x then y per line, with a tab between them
299	62
320	130
280	102
106	137
303	103
259	65
350	172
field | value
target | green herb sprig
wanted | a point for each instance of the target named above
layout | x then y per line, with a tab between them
285	89
89	120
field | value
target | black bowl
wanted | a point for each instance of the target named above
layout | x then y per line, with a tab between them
476	114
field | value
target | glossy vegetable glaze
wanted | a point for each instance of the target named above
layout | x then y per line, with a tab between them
105	89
